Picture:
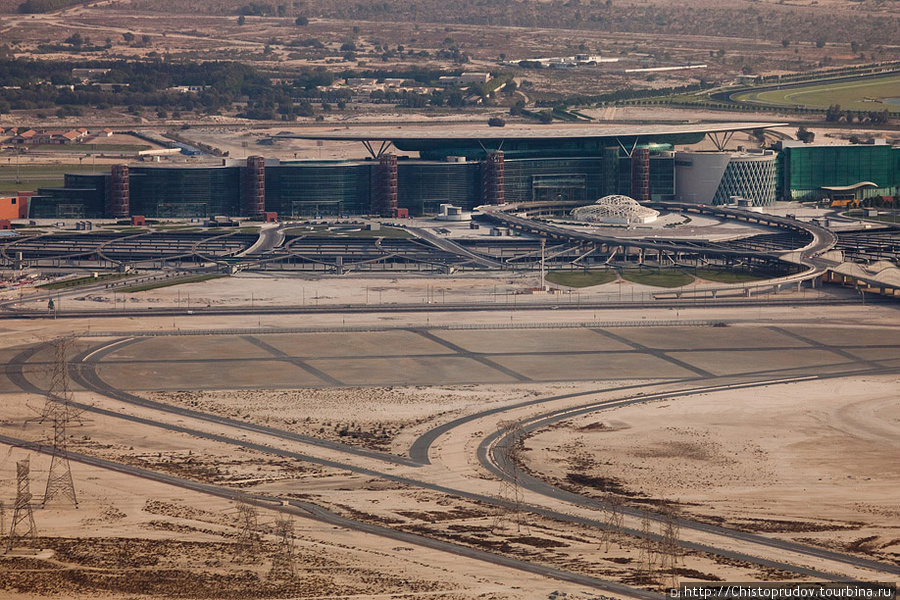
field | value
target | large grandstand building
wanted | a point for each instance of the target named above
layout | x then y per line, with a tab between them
465	169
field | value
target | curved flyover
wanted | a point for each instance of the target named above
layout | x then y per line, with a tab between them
807	258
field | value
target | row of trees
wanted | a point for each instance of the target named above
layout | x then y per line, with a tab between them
44	6
40	84
835	114
45	85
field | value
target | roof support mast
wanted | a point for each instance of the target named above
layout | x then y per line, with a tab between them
720	142
385	146
628	152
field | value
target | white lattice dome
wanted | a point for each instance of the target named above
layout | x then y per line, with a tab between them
615	209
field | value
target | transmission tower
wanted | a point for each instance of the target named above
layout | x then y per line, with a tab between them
22	528
58	402
614	520
247	546
283	561
509	509
58	411
647	559
670	550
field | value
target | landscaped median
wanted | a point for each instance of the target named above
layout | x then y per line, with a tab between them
162	283
664	278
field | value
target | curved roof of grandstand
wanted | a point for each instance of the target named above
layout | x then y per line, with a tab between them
450	133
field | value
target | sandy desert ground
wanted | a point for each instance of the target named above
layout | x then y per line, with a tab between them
801	458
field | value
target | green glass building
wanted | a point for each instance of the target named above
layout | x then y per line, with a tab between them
422	186
805	169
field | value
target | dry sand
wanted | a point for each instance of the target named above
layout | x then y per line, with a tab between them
812	460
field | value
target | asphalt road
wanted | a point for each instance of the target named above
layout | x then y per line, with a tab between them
491	456
315	512
83	371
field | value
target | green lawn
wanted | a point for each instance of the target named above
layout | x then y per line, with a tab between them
862	94
70	283
664	278
10	187
580	279
723	276
154	285
93	148
33	176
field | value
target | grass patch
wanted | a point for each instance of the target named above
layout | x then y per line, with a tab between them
861	93
34	176
885	218
580	279
10	187
70	283
722	276
163	283
663	279
91	148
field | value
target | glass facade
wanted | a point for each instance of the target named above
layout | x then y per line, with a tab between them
806	169
319	188
580	179
81	197
750	177
423	186
182	192
662	176
578	170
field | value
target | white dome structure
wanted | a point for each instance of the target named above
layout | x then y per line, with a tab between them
616	209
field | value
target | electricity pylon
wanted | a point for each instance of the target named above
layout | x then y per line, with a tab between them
58	411
22	528
248	538
283	561
510	506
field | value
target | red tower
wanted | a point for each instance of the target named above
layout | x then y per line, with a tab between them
492	178
640	175
119	196
384	200
254	196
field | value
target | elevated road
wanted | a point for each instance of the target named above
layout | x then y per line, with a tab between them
807	258
452	247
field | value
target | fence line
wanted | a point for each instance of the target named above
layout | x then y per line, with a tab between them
376	329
